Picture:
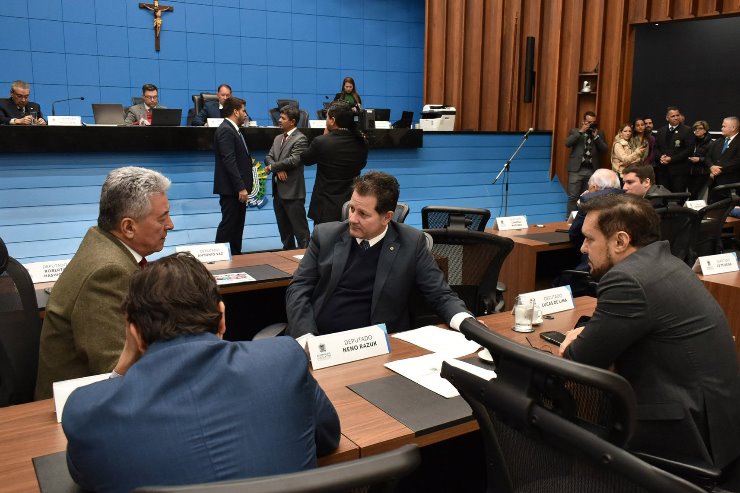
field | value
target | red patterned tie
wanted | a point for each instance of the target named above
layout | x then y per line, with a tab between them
143	262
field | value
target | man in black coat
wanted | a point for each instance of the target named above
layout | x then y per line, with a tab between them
17	109
212	109
675	142
232	177
723	157
340	155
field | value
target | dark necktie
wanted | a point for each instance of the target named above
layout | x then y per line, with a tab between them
285	137
726	144
364	244
143	262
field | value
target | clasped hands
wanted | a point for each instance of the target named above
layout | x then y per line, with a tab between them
281	175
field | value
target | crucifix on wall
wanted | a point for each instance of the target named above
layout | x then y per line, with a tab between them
157	9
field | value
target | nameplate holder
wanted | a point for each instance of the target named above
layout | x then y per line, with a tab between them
350	345
696	205
214	122
208	252
551	300
718	264
65	121
46	271
511	222
382	125
572	217
316	123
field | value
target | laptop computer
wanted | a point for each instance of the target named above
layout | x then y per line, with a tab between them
162	117
108	114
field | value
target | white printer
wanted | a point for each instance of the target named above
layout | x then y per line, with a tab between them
437	118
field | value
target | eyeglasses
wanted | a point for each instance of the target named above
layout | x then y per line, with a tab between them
20	96
151	98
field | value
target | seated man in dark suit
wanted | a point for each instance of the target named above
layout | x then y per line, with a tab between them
639	180
659	327
189	407
212	109
17	109
723	157
362	271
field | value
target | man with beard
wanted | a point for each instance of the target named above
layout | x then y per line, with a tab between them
659	328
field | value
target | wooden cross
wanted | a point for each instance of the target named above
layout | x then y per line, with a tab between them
154	7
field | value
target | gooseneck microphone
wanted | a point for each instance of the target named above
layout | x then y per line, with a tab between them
53	110
528	132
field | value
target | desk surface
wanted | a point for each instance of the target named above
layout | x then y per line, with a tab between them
726	290
31	430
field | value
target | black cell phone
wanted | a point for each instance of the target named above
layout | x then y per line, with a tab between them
553	336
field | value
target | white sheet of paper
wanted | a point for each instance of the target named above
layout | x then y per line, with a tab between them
424	370
299	257
448	342
475	370
63	388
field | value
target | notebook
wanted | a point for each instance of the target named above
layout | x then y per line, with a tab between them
162	117
108	114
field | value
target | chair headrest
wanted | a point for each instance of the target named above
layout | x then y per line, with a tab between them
3	256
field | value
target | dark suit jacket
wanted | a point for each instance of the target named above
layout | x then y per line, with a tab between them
84	329
729	160
340	157
8	110
663	331
209	110
233	171
678	145
574	232
198	409
576	141
287	157
405	263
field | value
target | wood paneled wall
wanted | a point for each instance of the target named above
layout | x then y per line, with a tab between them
475	56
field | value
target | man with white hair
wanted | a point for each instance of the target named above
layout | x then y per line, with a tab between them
84	329
602	182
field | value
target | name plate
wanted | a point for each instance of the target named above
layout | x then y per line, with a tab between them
695	204
214	122
718	264
383	125
350	345
68	121
208	252
46	271
551	300
572	216
511	222
316	123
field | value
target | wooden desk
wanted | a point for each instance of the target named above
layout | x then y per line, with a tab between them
375	431
726	290
521	267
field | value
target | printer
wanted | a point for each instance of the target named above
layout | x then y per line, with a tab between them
437	118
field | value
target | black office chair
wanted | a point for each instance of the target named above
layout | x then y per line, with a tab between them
471	261
551	424
712	219
444	216
679	225
321	114
407	118
666	199
402	211
376	473
136	100
20	331
288	102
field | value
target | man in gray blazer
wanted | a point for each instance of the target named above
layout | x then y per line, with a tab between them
586	143
84	329
659	327
288	185
362	271
141	114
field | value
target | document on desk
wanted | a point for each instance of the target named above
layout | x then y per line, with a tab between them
233	278
451	343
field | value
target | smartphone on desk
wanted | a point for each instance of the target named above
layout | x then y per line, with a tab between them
553	336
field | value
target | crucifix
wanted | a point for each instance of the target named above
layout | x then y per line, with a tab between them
154	7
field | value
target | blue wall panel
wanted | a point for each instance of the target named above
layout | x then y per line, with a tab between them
106	49
49	201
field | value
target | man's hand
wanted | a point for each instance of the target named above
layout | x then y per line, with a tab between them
243	195
282	175
715	170
584	127
665	159
143	121
130	353
268	170
570	336
26	120
40	121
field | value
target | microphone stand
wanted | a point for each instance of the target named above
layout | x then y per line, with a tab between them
506	168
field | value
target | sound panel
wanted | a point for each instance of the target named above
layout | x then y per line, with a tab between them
529	72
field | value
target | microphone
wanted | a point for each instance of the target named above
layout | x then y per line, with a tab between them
53	111
528	132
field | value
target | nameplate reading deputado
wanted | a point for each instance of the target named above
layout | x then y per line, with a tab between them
208	252
718	264
65	121
350	345
214	122
511	222
696	205
46	271
551	300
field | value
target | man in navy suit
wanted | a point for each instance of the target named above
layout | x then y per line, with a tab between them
184	406
17	109
212	109
723	157
362	271
232	176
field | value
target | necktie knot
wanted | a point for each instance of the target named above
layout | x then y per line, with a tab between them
143	262
364	244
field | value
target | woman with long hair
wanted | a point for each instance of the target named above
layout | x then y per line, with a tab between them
640	135
623	154
349	94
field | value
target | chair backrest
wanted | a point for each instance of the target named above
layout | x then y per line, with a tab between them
136	100
303	119
551	424
407	118
275	116
376	473
472	262
444	216
287	102
666	199
711	222
20	331
402	211
321	114
679	225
